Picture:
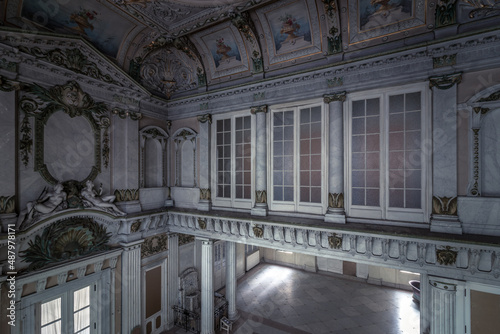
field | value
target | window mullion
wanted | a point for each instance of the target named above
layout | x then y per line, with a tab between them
233	160
296	157
384	155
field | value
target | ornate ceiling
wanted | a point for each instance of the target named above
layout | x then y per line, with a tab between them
180	47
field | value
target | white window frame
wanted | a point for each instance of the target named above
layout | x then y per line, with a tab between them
384	212
233	202
295	205
100	312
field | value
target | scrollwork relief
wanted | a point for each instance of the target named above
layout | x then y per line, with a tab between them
154	245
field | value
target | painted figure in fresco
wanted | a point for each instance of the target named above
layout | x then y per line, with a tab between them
94	198
49	202
386	12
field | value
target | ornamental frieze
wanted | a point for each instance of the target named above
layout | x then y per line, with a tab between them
154	245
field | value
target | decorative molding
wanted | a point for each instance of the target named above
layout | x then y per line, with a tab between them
125	195
330	7
257	62
446	13
259	96
335	241
63	240
7	204
135	226
205	118
334	41
257	109
335	200
335	82
445	60
8	65
492	97
444	205
244	24
135	116
445	81
261	196
185	239
154	245
7	85
483	7
474	191
329	98
202	223
205	194
446	256
71	59
258	231
26	141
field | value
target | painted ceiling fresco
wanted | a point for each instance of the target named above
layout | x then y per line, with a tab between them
174	47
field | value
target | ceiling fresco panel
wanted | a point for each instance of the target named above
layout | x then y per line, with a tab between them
371	22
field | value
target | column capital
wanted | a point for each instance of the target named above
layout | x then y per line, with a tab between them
256	109
205	118
340	96
445	81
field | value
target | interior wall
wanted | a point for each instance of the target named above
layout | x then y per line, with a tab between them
485	308
391	277
187	256
301	261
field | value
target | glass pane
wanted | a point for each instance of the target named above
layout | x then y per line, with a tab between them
51	311
278	178
239	191
278	148
413	199
82	319
220	125
358	178
247	193
316	114
288	178
372	143
412	121
372	107
304	194
413	101
278	193
239	177
81	298
358	143
396	141
316	130
316	195
247	122
413	178
304	147
305	116
372	160
358	161
54	328
358	108
238	123
316	178
288	194
413	140
288	148
396	198
413	159
358	196
315	162
305	178
373	179
396	160
278	118
305	162
278	163
278	133
372	124
396	103
288	118
316	146
358	126
288	134
372	197
396	122
396	178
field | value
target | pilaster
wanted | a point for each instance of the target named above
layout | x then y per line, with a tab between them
125	157
260	208
444	149
205	202
207	286
172	276
131	286
231	282
446	306
335	213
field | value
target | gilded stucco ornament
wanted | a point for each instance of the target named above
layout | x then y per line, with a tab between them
492	97
445	81
446	256
72	59
258	231
446	13
335	200
257	109
154	245
123	114
335	241
125	195
329	98
445	60
7	85
65	239
135	226
26	141
205	118
202	223
334	41
185	239
261	196
483	7
7	204
444	205
205	194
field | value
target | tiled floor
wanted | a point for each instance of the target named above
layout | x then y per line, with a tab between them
275	300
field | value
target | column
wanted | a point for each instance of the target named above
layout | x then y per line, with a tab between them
231	280
205	202
8	152
444	154
335	213
172	276
446	306
207	286
131	286
260	208
125	157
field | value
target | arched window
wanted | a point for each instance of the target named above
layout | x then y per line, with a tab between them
185	157
153	165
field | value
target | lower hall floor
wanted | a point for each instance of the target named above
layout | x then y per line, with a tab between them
273	299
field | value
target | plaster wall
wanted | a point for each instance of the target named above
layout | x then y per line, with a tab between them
391	277
296	260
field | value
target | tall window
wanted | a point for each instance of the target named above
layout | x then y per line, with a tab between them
297	159
386	161
233	163
69	313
